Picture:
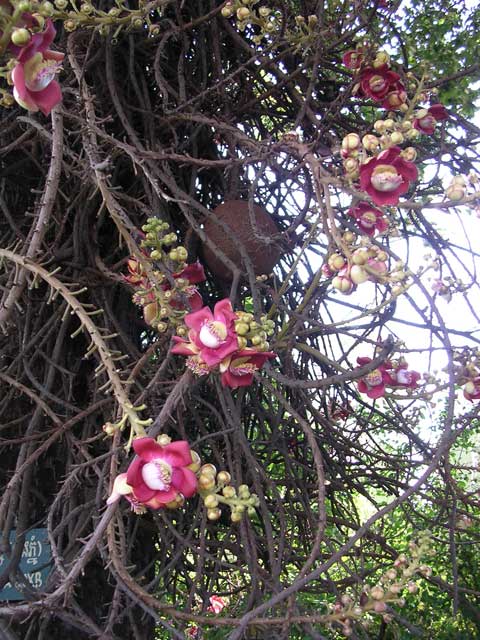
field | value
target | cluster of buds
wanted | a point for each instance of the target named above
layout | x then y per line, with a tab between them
164	283
215	489
467	371
392	588
266	20
366	262
220	340
251	333
117	18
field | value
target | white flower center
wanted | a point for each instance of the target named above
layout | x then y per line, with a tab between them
157	475
213	334
403	376
39	73
385	178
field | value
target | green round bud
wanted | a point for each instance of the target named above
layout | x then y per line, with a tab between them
214	514
86	8
211	501
47	9
21	37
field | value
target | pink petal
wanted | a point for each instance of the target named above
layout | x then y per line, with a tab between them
197	319
184	481
48	97
212	357
143	493
134	472
223	311
177	453
376	392
229	379
148	449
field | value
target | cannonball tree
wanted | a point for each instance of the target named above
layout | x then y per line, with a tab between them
239	348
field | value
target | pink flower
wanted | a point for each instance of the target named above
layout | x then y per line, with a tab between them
34	86
378	83
157	476
194	273
238	369
368	218
373	384
428	118
213	334
353	59
471	390
387	176
216	604
402	377
395	98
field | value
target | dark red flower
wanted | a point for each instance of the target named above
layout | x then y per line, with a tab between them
158	474
378	83
368	218
33	77
238	369
471	390
373	384
427	119
387	176
402	377
353	59
395	98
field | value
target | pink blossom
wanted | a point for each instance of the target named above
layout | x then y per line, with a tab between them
212	333
158	475
402	377
353	59
373	383
378	83
34	86
395	98
427	121
387	176
217	603
471	390
368	218
237	370
194	273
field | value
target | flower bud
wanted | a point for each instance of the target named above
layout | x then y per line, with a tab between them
379	126
382	58
206	482
223	477
211	501
455	192
336	262
351	142
397	137
227	10
377	593
358	274
229	492
370	142
243	13
21	37
209	470
410	153
214	514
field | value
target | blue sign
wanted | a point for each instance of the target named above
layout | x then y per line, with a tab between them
34	564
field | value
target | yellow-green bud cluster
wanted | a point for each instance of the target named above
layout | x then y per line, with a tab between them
245	13
251	333
215	489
